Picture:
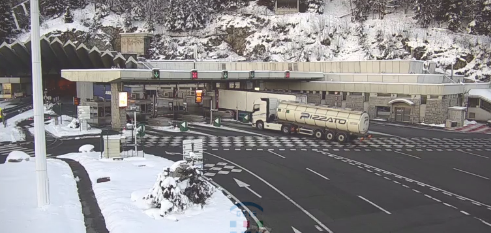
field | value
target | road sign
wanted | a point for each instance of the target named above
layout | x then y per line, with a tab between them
217	122
245	118
155	73
83	112
192	152
184	126
141	131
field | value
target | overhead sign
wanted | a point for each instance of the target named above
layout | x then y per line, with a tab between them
83	112
123	99
192	151
155	73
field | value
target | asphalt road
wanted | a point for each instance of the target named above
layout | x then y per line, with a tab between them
410	131
440	182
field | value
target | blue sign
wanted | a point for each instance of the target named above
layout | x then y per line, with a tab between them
240	213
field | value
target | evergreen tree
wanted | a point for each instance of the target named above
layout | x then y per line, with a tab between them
451	11
7	23
361	9
379	7
425	11
52	8
482	22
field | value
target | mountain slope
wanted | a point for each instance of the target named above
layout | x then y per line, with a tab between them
254	33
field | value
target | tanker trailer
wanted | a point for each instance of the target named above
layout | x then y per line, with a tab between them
322	122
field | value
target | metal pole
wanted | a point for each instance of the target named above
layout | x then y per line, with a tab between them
211	112
37	89
134	128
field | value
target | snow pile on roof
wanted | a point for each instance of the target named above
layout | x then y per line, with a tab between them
67	127
18	201
86	148
482	93
132	178
17	156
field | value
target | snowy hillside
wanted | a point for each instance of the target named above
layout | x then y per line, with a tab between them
253	32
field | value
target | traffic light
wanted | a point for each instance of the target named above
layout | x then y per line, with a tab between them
198	98
287	74
252	74
76	101
225	74
194	74
155	73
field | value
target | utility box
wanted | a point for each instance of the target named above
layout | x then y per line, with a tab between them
112	146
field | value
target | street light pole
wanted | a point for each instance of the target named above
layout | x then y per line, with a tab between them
37	99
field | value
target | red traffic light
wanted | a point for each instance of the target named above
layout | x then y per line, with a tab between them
287	74
194	74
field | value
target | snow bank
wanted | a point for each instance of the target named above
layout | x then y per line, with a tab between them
66	128
17	156
18	201
131	179
86	148
227	128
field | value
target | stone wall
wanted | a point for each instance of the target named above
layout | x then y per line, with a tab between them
118	115
458	115
436	111
375	101
355	102
314	98
334	100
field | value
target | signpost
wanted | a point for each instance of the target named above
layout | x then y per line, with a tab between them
217	122
192	151
184	126
83	113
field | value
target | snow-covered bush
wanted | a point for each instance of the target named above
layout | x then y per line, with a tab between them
177	188
74	124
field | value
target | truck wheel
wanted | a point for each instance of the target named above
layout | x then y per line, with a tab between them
285	129
330	136
318	134
342	137
260	125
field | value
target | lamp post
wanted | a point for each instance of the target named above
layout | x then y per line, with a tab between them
37	99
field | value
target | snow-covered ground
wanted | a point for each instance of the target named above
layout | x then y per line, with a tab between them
173	129
12	133
18	202
131	179
5	104
64	129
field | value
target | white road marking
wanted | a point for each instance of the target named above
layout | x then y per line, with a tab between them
318	228
416	191
317	173
469	153
276	154
487	223
464	212
405	186
471	173
450	205
278	191
410	180
387	212
407	154
258	223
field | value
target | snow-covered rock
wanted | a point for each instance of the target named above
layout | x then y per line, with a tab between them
17	156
